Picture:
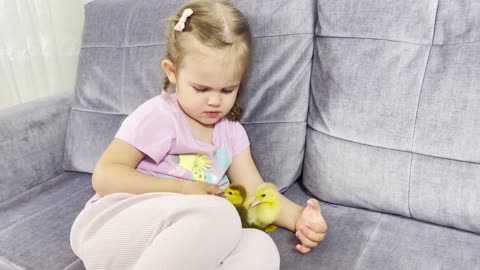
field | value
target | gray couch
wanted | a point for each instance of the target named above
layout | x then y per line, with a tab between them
371	106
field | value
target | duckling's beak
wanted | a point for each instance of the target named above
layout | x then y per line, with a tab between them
254	202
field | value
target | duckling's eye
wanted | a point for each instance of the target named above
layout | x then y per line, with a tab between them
230	193
263	195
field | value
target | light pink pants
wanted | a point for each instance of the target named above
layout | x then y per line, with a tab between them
168	231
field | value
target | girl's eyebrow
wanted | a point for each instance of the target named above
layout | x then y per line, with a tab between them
203	86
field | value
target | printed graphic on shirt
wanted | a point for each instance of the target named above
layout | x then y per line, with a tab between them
222	161
199	167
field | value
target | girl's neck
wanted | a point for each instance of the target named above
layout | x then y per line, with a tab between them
200	131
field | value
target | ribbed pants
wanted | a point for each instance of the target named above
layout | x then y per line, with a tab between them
168	231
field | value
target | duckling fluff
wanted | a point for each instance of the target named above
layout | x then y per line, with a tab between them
264	208
236	194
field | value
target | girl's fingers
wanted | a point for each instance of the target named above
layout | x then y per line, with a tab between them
315	236
302	249
306	242
314	204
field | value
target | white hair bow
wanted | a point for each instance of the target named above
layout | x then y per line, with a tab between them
181	23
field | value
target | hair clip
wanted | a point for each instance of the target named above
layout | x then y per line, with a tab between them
181	23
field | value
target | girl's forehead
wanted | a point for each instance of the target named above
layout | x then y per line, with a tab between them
211	68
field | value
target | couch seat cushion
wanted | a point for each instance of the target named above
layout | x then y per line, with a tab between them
362	239
35	225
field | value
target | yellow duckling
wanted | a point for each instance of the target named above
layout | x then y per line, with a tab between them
236	194
264	208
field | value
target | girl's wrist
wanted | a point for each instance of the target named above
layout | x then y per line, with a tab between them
298	215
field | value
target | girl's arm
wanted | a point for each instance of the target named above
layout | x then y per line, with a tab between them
116	172
244	172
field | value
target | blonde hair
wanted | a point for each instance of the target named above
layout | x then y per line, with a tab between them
216	24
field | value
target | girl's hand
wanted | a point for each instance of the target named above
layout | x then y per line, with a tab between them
199	188
310	227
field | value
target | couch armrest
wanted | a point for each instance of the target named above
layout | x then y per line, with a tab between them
32	142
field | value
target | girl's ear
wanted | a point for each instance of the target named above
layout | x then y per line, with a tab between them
170	70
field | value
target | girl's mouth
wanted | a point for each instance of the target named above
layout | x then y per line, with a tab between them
212	114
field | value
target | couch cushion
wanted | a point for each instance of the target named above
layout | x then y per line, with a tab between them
35	230
35	226
362	239
32	135
394	117
119	68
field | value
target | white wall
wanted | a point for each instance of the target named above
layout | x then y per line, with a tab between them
39	47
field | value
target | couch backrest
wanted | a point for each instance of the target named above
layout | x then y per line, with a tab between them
32	141
394	117
119	68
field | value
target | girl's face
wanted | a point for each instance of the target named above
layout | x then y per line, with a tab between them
206	83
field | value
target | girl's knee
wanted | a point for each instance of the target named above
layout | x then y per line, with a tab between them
264	246
263	239
222	214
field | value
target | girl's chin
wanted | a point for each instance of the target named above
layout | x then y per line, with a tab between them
209	121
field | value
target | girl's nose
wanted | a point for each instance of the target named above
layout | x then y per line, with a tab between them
214	99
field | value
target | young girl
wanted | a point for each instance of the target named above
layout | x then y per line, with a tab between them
155	206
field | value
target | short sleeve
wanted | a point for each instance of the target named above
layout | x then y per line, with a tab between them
238	138
150	129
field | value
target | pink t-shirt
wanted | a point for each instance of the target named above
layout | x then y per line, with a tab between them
159	129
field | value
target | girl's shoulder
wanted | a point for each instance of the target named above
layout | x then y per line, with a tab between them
235	135
163	101
156	111
233	129
159	105
225	122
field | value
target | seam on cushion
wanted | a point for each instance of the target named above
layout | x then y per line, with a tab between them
70	264
163	43
8	263
312	59
315	36
401	41
366	242
282	35
392	149
243	123
273	122
76	194
92	111
459	43
123	46
127	32
371	38
122	96
356	142
66	152
416	113
32	189
445	158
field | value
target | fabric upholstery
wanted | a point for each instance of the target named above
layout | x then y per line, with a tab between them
394	116
32	141
363	240
35	227
119	68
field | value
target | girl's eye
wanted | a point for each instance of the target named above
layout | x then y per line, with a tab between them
227	91
200	90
